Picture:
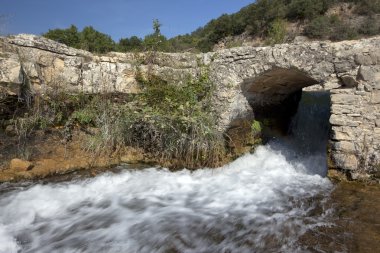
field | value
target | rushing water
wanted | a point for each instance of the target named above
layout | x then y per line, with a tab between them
262	202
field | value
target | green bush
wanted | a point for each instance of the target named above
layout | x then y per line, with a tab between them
321	27
307	9
176	122
88	39
370	27
84	117
367	7
172	122
256	127
330	27
277	32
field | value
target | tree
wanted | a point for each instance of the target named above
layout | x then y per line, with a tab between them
156	27
155	41
69	36
94	41
130	44
308	9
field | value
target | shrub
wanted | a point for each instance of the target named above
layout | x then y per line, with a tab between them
370	27
175	122
368	7
84	117
330	27
256	127
307	9
277	32
172	122
320	27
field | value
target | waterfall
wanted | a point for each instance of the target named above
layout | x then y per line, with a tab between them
262	202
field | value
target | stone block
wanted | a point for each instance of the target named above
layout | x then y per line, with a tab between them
344	146
369	74
340	136
346	161
337	120
365	60
342	67
346	99
375	99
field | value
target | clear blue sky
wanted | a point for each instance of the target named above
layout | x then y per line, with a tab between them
118	18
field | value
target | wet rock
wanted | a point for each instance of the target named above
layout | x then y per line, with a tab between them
20	165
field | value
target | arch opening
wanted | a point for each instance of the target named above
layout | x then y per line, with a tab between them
294	120
274	97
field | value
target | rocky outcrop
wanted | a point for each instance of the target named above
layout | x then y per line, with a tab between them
246	78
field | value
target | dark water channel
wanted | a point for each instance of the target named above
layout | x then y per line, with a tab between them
275	200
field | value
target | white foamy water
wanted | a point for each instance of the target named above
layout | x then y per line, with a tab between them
260	202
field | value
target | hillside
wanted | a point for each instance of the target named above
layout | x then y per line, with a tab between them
264	22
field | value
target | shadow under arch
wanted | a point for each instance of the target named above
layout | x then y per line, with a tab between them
274	97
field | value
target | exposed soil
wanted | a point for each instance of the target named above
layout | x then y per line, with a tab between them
51	156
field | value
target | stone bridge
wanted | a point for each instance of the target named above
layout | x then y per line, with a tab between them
248	80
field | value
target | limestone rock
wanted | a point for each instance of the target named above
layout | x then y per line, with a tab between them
346	99
346	161
337	120
345	146
376	97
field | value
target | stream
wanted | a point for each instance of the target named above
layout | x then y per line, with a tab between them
274	200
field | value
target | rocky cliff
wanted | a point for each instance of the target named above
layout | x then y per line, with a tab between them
247	79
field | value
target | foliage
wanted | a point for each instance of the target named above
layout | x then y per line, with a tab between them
307	9
321	27
88	39
330	27
130	44
370	27
263	19
94	41
367	7
84	117
256	127
277	32
69	36
176	122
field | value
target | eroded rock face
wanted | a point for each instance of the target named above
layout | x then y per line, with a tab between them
245	78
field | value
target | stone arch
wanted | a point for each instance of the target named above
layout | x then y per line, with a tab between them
274	86
275	94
